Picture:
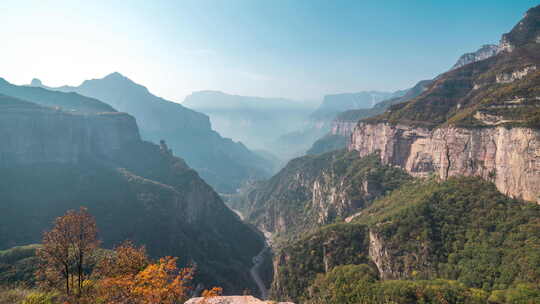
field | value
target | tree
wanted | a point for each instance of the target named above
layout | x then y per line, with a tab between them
127	276
65	249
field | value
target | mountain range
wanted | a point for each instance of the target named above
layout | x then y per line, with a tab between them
53	160
220	161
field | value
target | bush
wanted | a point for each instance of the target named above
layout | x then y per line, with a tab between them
37	297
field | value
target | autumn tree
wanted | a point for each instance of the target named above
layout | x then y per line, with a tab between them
158	283
66	248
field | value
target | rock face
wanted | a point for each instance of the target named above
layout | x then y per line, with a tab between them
232	300
33	134
508	157
312	191
484	52
222	163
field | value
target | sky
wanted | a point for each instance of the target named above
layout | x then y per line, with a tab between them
300	49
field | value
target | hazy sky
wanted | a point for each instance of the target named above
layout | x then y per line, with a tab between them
298	49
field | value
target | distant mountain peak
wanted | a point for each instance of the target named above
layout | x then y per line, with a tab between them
115	75
36	83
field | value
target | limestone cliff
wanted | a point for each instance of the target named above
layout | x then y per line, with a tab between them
510	157
481	119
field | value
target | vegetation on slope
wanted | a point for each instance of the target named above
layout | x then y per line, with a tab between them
462	230
489	86
315	190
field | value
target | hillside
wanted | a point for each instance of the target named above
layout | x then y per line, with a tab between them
55	160
221	162
462	229
312	191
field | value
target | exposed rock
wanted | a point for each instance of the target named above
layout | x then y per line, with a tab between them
33	134
510	157
484	52
222	163
232	300
509	77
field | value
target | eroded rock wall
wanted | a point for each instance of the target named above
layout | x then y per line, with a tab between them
40	135
510	157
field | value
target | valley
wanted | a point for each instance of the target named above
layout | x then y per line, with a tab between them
111	194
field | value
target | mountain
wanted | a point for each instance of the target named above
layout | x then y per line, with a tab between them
482	119
434	200
486	51
53	160
344	123
223	163
66	101
254	121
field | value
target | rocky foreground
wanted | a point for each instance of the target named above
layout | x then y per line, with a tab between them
232	300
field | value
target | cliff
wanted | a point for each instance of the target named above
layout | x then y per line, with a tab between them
220	161
312	191
52	161
481	119
509	157
34	134
344	123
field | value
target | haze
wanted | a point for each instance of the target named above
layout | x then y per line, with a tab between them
300	50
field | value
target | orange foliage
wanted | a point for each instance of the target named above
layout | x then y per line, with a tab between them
158	283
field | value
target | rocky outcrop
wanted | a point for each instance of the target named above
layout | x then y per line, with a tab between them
484	52
312	191
232	300
510	157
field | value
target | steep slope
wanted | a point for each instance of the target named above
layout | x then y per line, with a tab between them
461	229
345	122
223	163
481	119
254	121
312	191
54	160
